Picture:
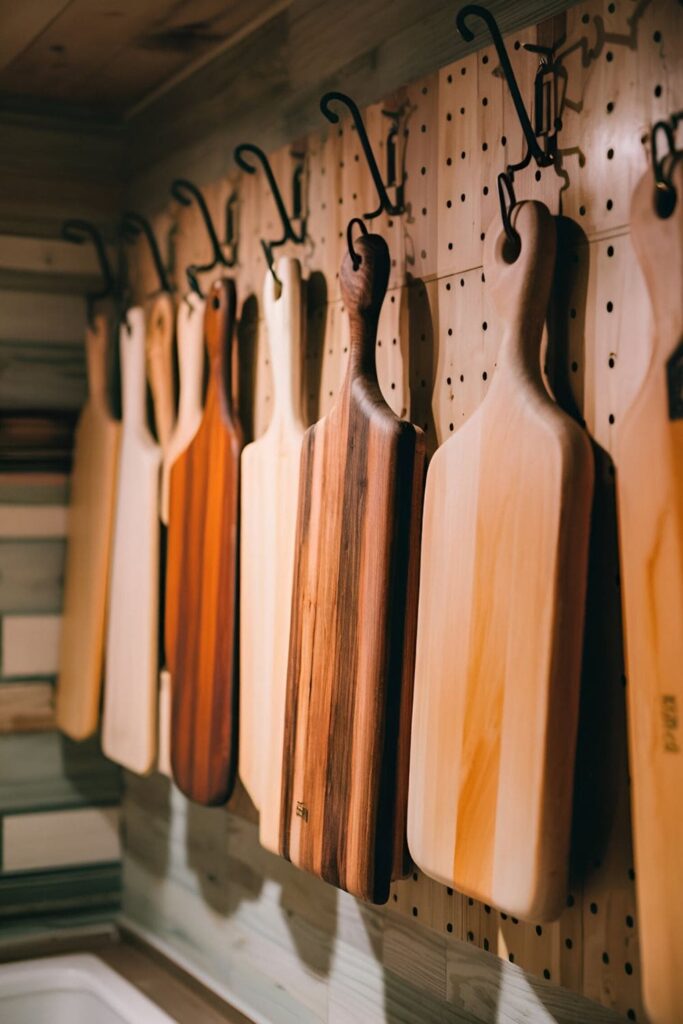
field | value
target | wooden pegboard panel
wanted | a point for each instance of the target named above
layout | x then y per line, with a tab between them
436	354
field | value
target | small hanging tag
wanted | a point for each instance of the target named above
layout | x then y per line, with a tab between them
674	378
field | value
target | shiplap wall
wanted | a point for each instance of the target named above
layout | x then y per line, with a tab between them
59	843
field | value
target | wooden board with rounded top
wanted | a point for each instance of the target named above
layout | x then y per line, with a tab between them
86	576
269	494
649	468
347	716
201	577
503	575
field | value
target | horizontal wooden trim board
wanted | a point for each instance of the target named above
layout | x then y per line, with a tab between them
41	255
30	645
33	521
27	707
34	488
53	839
40	316
31	576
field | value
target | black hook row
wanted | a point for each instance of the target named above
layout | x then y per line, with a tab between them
81	231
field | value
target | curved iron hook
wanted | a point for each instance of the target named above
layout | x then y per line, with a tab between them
665	190
385	203
289	234
186	193
132	226
81	231
356	260
506	208
533	149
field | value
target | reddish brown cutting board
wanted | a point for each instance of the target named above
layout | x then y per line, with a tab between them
500	622
353	619
649	464
201	582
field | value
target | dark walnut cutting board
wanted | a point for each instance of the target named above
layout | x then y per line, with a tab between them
201	580
349	681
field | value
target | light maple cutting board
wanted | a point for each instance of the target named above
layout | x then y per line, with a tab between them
649	465
190	343
201	581
129	725
350	668
270	490
499	642
86	575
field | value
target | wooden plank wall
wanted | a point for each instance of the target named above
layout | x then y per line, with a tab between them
63	792
436	354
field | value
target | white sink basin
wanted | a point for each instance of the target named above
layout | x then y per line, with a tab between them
77	989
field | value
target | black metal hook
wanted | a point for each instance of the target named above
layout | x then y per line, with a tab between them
665	190
289	234
543	159
132	226
385	203
506	207
356	260
81	231
186	193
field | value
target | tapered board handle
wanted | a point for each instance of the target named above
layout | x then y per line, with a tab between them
282	307
160	370
363	289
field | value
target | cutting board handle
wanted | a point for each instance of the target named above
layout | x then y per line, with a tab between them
219	327
520	288
159	347
654	237
190	356
96	345
285	341
133	377
363	289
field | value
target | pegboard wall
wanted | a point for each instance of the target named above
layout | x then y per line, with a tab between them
622	69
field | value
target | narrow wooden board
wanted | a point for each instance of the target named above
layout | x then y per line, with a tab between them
270	491
353	619
201	583
129	726
159	338
502	587
649	464
90	527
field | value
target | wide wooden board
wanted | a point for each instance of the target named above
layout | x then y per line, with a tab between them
502	586
129	725
201	582
649	465
86	573
270	490
352	624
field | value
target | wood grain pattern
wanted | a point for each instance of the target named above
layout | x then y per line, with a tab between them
649	462
201	584
270	491
129	721
86	574
353	611
503	571
159	341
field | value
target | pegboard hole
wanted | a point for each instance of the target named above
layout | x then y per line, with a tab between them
482	235
658	91
484	326
539	929
486	945
629	921
415	876
463	71
451	427
449	927
449	116
593	908
395	898
610	153
470	901
503	916
628	968
609	56
609	307
424	211
585	19
631	1015
611	417
657	36
484	146
610	250
582	211
503	140
449	203
546	974
423	170
631	874
414	911
569	944
515	920
462	378
462	282
462	197
449	161
485	190
450	246
610	362
605	958
448	380
537	175
449	79
463	155
517	44
484	375
570	898
484	59
449	891
611	8
484	101
610	107
511	957
462	110
470	936
487	909
448	286
423	128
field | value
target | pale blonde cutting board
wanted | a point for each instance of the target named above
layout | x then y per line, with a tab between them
190	341
86	576
270	488
129	727
649	464
501	606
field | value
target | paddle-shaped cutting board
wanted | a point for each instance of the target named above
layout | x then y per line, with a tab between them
649	464
500	622
190	341
91	516
201	581
160	370
129	725
349	682
270	490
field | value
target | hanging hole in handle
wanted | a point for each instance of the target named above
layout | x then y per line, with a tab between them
215	302
356	260
512	245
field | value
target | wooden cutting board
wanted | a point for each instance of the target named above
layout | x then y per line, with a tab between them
86	576
201	582
129	726
270	490
502	591
160	366
649	464
190	343
349	683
